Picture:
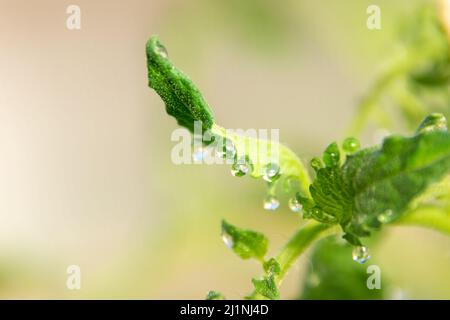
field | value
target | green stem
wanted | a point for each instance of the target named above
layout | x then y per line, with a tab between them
433	217
400	66
436	218
298	243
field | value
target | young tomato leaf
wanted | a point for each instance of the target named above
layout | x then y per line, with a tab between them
186	104
245	243
267	287
272	266
376	185
182	98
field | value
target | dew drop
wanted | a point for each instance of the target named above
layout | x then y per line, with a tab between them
271	172
161	50
241	167
239	170
294	204
271	203
434	122
350	145
228	240
360	254
331	155
227	150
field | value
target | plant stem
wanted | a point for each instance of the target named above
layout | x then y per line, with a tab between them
433	217
298	243
397	68
402	64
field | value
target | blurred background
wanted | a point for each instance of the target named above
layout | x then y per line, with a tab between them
86	176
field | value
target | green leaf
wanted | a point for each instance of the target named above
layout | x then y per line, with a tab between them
182	98
267	287
272	266
186	104
377	185
245	243
214	295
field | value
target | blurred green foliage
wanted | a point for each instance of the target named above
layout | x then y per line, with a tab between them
332	275
415	80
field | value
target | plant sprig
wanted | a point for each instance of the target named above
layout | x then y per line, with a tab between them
354	191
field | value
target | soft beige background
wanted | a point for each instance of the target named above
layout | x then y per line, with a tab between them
85	170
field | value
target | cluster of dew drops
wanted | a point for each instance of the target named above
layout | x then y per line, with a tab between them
242	166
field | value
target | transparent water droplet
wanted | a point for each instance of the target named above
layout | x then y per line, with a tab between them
271	203
241	167
161	50
227	150
386	216
228	240
271	172
199	154
433	122
295	205
331	155
316	164
360	254
350	145
239	170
